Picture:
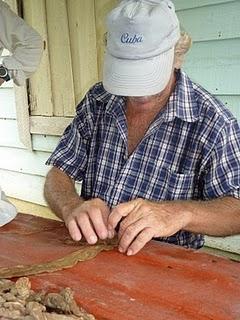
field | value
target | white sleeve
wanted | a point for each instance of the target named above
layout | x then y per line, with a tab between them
24	43
7	210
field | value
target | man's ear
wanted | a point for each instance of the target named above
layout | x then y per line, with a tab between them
181	48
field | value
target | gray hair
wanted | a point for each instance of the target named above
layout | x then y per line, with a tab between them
181	48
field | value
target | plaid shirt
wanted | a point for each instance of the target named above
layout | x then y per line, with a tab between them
190	151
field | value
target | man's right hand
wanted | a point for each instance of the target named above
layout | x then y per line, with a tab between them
88	219
1	81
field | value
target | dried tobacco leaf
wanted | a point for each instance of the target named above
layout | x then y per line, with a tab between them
86	252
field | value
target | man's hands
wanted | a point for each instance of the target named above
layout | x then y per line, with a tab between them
140	221
88	219
1	81
143	220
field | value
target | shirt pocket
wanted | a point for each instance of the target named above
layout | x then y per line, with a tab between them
181	186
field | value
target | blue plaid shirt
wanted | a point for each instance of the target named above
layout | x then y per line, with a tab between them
190	151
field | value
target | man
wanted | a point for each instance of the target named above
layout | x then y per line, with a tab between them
25	45
157	155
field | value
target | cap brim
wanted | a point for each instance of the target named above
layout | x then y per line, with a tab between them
137	77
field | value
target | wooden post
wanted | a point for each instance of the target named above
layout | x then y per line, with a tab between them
60	58
40	82
81	17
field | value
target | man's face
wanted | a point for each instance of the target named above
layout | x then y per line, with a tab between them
144	99
156	99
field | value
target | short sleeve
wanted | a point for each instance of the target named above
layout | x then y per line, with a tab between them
71	153
222	177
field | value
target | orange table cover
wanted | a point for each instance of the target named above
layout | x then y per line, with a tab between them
161	282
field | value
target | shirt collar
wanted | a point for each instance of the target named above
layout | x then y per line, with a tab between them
182	102
113	104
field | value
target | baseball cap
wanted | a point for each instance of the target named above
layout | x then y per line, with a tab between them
141	35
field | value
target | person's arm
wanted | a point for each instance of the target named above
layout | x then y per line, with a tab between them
1	81
22	41
86	219
60	193
220	216
144	220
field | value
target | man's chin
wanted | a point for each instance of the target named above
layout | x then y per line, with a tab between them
141	100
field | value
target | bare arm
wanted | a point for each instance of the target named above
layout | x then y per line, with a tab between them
86	219
220	217
144	220
60	193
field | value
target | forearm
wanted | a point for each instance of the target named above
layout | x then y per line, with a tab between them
141	220
219	217
60	193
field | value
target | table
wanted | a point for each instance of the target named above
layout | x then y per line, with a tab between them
161	282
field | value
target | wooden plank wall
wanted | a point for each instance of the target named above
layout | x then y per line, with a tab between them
72	59
214	59
69	64
214	62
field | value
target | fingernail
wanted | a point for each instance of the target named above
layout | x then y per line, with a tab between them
76	237
92	239
111	234
120	249
129	252
103	235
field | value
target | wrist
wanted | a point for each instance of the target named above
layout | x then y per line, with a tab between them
187	209
70	206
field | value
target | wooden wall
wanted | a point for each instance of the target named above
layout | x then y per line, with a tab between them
214	59
76	49
214	62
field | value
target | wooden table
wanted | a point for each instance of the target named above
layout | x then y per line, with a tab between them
161	282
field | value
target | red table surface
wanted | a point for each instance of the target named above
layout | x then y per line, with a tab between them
161	282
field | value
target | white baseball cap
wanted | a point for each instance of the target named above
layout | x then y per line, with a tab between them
140	47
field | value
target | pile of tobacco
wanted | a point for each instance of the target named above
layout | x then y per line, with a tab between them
18	301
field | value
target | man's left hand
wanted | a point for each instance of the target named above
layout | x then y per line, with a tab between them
1	81
143	220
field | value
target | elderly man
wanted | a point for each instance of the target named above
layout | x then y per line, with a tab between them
158	156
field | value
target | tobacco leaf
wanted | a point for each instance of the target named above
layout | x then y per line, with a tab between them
86	252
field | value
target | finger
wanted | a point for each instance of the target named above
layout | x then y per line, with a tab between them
87	228
131	219
97	219
141	240
111	233
120	211
130	233
74	231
